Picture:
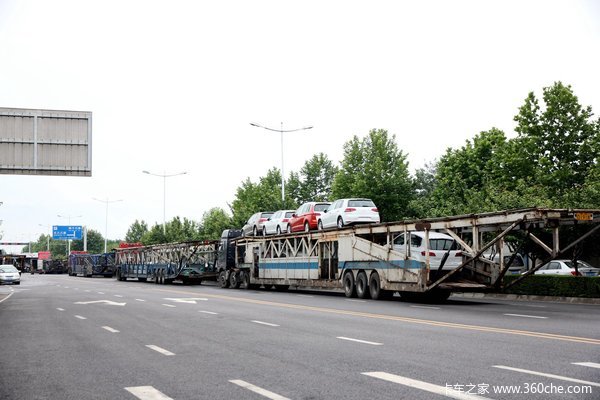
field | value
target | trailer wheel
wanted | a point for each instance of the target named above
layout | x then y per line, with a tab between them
362	285
349	288
223	279
377	293
142	279
162	276
244	280
234	280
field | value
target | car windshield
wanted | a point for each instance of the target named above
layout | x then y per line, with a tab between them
8	269
360	203
321	207
441	244
580	264
266	214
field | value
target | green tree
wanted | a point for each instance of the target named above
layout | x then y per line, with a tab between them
176	230
136	231
214	222
375	168
316	178
95	243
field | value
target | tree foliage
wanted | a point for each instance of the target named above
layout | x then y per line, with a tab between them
374	167
176	230
136	231
214	222
316	178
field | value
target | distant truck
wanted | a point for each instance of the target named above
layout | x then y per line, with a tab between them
88	265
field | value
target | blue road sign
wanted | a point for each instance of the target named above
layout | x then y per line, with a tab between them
66	232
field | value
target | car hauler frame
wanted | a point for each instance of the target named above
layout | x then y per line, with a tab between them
187	262
91	264
361	259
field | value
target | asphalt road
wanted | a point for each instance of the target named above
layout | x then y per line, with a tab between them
67	337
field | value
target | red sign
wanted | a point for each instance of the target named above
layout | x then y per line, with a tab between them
44	255
124	245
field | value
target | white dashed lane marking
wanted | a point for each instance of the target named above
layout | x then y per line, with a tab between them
526	316
140	300
147	393
169	305
80	317
118	295
264	323
587	364
429	307
562	378
359	341
428	387
60	309
160	350
108	328
258	390
209	312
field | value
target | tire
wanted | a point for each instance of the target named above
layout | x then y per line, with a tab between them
320	225
254	231
223	279
142	279
264	231
162	276
362	285
289	229
17	283
306	227
349	287
278	230
244	280
340	223
234	280
375	288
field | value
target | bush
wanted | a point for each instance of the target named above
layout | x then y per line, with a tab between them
555	285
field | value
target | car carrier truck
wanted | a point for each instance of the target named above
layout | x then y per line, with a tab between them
361	260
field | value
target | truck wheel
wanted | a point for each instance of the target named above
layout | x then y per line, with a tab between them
234	280
349	288
142	279
362	285
244	280
223	279
375	288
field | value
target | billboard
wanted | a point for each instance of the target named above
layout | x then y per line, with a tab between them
66	232
45	142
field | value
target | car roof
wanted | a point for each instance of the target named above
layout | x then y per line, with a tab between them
433	235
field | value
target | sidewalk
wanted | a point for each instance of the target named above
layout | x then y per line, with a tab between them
522	297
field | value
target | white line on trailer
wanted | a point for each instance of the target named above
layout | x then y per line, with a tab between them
263	392
160	350
108	328
118	295
140	300
526	316
428	387
60	309
564	378
208	312
588	364
169	305
359	341
80	317
147	393
357	301
428	307
264	323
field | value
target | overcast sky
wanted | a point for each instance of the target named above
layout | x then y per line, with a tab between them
173	86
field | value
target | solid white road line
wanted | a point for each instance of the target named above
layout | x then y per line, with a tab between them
563	378
526	316
429	307
108	328
80	317
258	390
429	387
60	309
588	364
140	300
169	305
10	294
147	393
208	312
264	323
160	350
359	341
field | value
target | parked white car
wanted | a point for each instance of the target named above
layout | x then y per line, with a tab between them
344	212
566	267
439	244
9	274
277	223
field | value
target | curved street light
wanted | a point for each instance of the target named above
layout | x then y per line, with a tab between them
282	131
107	201
164	176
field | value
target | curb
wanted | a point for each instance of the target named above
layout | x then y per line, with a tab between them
523	297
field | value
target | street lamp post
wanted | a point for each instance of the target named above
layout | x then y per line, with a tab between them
68	217
165	176
281	131
107	201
